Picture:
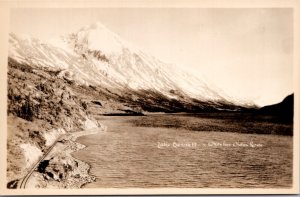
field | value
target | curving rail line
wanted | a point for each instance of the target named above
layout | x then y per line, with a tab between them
23	181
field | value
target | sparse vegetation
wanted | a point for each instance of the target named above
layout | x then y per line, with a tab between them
38	101
42	96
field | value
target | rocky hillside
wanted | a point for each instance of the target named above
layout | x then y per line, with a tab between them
41	107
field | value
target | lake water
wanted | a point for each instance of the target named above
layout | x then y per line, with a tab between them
127	156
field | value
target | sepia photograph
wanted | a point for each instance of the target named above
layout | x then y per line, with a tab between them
150	98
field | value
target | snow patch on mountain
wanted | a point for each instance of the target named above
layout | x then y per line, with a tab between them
97	36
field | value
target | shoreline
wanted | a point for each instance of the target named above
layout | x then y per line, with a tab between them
60	169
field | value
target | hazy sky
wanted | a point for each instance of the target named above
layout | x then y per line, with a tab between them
246	52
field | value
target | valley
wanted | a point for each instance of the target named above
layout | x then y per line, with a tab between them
86	80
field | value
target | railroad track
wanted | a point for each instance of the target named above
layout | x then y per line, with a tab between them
23	182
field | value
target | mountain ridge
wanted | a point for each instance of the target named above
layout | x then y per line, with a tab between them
96	56
284	109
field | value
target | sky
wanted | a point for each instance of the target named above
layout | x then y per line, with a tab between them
247	52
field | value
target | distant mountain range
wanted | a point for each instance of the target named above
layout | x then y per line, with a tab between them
96	57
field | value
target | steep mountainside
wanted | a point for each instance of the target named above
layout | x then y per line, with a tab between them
95	56
41	107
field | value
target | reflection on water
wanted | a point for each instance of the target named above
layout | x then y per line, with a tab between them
129	156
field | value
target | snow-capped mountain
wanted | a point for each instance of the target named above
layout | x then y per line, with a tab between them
96	56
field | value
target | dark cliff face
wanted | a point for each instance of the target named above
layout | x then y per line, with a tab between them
284	109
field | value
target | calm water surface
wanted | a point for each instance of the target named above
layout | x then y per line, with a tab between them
128	156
